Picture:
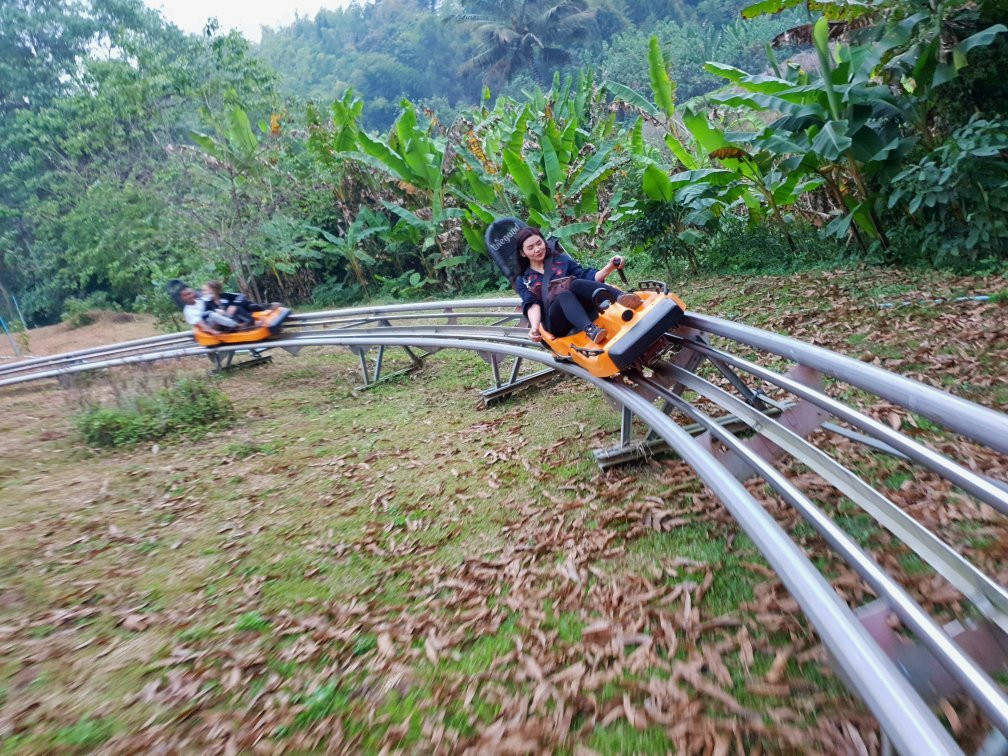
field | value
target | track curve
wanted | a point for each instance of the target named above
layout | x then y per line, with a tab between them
900	710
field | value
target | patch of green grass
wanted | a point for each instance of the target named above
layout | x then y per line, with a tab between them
190	407
324	701
399	708
244	449
897	479
861	527
285	592
86	733
286	668
886	351
913	564
928	425
622	737
882	291
483	651
194	634
615	688
733	582
567	624
733	585
252	622
364	643
302	373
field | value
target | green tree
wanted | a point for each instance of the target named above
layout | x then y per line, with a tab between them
93	191
518	35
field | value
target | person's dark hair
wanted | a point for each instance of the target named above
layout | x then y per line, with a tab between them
520	238
214	286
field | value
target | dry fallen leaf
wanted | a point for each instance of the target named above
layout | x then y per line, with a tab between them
778	666
135	622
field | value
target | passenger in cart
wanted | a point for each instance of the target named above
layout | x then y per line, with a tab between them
566	305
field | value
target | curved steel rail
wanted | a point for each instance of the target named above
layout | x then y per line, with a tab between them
354	317
902	714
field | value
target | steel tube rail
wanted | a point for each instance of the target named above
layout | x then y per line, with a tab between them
978	684
989	597
111	351
356	321
491	335
415	306
81	353
963	416
172	349
502	333
900	711
966	479
295	320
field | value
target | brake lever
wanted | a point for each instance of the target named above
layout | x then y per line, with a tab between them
619	269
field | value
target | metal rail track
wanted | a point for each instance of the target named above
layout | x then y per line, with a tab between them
357	317
952	657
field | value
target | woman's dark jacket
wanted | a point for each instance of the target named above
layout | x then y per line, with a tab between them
533	287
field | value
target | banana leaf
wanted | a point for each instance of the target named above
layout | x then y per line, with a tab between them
661	86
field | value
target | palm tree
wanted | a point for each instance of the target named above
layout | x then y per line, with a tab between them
525	34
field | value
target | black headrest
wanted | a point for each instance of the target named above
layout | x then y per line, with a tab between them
500	241
174	289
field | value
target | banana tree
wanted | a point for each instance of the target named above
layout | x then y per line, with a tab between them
845	124
349	246
557	153
831	125
233	161
717	170
418	161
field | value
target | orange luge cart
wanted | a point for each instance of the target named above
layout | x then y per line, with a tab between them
636	335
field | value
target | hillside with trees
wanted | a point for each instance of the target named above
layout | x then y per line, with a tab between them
360	153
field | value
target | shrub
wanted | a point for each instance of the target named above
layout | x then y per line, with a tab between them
189	407
659	235
741	247
81	312
956	196
335	293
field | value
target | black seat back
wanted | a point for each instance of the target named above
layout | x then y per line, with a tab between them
174	289
500	242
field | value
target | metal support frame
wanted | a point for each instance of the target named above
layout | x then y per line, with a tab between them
223	362
373	376
800	417
502	389
625	453
984	642
633	450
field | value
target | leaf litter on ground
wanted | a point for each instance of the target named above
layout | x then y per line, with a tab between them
379	574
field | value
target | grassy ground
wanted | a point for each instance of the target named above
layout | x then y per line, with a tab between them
401	568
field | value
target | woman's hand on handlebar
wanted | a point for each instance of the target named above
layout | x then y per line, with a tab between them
616	262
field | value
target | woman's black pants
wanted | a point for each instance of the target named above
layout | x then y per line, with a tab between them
572	311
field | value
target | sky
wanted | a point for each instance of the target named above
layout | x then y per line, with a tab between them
244	15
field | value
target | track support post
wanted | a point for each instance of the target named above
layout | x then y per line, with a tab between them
223	362
502	388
